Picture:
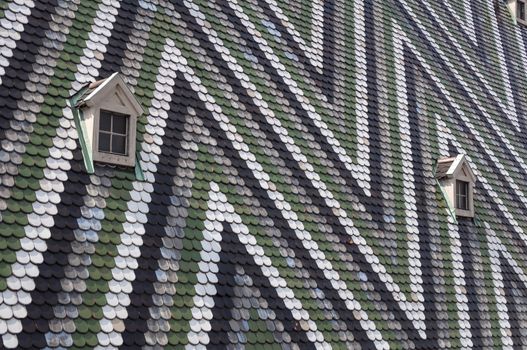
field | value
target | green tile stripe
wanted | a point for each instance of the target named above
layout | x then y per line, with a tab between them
299	13
347	139
103	259
487	16
401	268
488	282
270	168
30	172
333	185
217	92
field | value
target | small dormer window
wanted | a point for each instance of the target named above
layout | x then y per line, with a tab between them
107	113
457	182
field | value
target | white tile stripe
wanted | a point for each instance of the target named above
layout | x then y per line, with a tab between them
460	286
466	24
215	217
41	218
278	198
314	52
509	108
26	113
473	129
132	49
131	239
414	310
494	240
13	20
409	181
359	171
501	301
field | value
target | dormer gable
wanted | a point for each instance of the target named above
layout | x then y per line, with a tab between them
457	181
107	113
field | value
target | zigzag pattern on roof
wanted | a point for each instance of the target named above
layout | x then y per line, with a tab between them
289	198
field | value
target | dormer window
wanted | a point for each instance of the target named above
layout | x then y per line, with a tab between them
457	181
107	114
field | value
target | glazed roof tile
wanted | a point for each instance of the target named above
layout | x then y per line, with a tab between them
288	151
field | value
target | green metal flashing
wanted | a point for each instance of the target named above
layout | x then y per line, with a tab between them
450	206
87	154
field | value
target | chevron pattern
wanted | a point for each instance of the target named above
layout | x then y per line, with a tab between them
289	200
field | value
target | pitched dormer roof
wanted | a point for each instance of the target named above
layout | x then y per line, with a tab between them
450	167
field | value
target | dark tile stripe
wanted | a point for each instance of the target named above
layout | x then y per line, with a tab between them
417	147
466	236
44	297
462	61
234	253
22	60
372	206
143	285
52	270
119	37
268	205
324	81
511	282
514	73
476	147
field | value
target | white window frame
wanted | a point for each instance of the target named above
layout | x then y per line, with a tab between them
520	20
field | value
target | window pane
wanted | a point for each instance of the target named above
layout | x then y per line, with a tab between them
104	142
105	121
118	144
120	124
462	195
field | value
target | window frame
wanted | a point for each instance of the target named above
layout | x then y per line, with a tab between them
112	133
114	158
462	198
517	11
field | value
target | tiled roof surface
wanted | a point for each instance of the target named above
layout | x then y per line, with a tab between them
289	198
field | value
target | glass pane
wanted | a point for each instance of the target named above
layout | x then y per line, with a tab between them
120	123
104	142
462	195
118	144
105	121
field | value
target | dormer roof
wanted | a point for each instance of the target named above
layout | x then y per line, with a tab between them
451	167
98	90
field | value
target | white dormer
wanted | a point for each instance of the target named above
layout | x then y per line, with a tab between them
518	10
108	113
457	181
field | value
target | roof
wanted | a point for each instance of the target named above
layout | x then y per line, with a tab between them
449	167
289	200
